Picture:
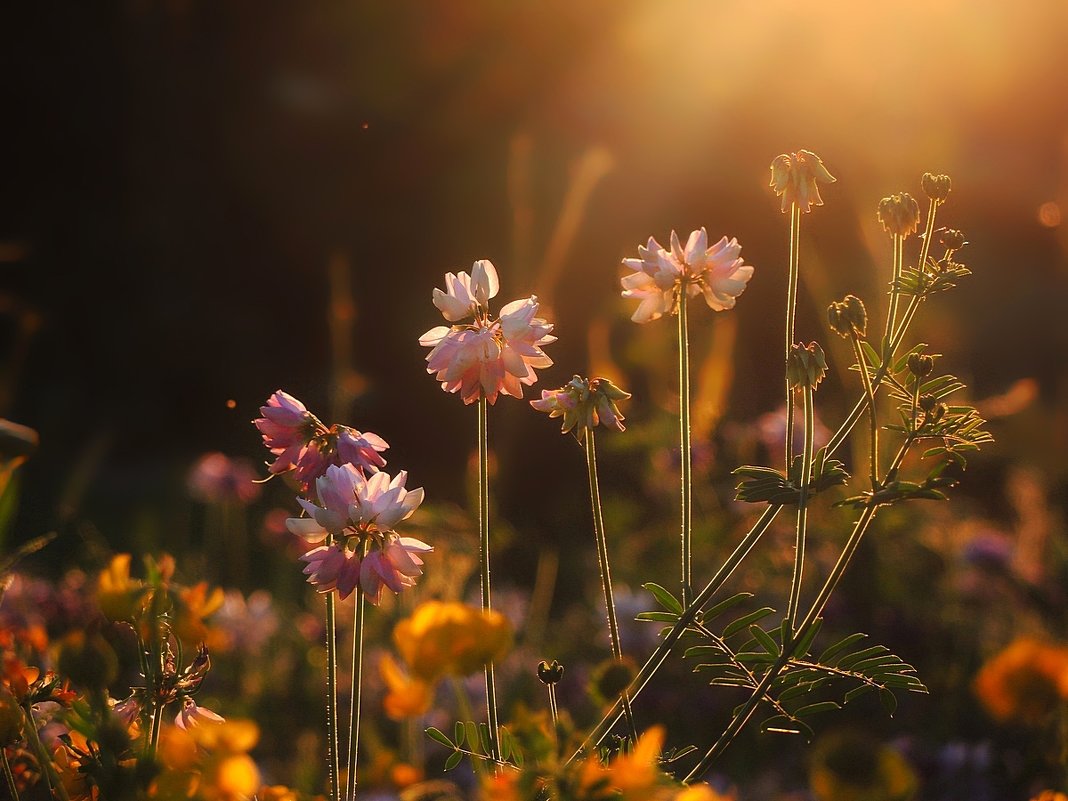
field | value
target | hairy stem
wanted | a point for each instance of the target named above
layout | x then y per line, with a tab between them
684	445
802	510
895	293
606	573
331	694
869	395
355	694
791	313
12	788
484	560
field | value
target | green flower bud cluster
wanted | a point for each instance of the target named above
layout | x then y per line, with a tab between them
848	316
806	366
899	214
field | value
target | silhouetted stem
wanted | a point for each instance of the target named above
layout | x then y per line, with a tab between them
684	445
606	573
802	510
12	788
484	559
791	313
869	395
331	693
355	694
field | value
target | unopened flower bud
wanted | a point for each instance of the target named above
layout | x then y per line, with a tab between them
937	412
806	366
848	316
936	187
928	402
550	672
899	214
952	239
920	364
611	678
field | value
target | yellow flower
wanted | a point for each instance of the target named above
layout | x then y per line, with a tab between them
851	767
1024	682
700	792
230	777
196	605
408	697
119	596
451	639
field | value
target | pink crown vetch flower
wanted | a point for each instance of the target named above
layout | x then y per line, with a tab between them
660	276
303	444
485	356
584	404
360	513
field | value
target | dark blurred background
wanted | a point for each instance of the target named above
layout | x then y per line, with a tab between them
205	201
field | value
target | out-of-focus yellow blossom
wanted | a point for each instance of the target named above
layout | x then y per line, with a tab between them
502	786
1050	795
700	792
196	605
846	767
1024	682
636	773
229	777
404	775
408	696
230	736
277	793
119	596
451	639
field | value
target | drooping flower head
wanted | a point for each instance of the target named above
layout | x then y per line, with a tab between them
661	275
584	404
302	443
355	520
480	356
796	178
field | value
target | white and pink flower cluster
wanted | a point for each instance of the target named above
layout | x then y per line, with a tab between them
661	275
485	357
301	443
358	506
355	520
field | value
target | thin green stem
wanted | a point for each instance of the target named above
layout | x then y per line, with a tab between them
895	293
12	788
606	573
684	446
869	394
791	313
355	693
48	769
802	509
332	750
484	559
663	650
157	724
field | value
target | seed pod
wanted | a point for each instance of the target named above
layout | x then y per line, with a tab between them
936	187
550	673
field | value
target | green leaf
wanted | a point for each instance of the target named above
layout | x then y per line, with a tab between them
766	641
458	732
659	617
472	734
856	692
889	701
813	709
806	642
726	604
453	760
484	738
439	736
747	620
755	657
780	724
846	662
840	646
664	598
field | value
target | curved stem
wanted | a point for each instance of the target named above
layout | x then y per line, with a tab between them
331	693
684	446
791	313
484	559
802	510
355	693
157	723
606	573
869	394
55	786
663	650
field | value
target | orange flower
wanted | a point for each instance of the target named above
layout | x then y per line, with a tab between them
408	697
118	595
196	605
1024	682
637	772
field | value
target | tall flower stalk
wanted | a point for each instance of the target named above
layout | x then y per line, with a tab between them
481	357
662	282
584	404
